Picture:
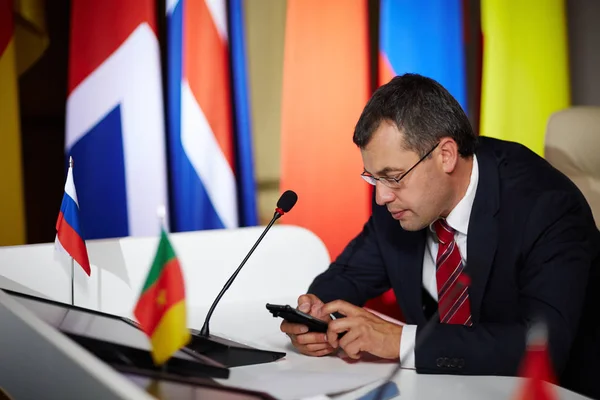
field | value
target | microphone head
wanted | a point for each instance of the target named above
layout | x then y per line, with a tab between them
287	200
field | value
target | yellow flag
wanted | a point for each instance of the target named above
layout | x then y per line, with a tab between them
12	216
23	40
525	68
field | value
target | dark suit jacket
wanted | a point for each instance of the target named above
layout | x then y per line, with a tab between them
532	253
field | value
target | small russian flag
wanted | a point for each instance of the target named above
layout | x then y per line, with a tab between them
69	237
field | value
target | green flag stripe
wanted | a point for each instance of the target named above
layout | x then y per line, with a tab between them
164	254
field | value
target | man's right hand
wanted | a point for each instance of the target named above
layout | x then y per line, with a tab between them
309	343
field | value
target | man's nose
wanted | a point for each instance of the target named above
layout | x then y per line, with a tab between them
383	194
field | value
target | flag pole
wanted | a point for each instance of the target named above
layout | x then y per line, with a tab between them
72	281
72	260
161	213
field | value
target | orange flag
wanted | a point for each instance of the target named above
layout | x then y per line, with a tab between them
325	87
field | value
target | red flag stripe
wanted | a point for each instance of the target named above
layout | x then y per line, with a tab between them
206	68
72	243
98	28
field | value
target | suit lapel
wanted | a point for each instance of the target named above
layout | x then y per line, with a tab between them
406	260
482	236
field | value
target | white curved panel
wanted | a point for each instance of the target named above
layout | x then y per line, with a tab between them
282	267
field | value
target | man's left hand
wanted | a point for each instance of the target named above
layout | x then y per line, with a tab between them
364	331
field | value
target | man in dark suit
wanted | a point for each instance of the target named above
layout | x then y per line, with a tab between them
482	235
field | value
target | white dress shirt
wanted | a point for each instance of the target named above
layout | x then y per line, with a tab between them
458	219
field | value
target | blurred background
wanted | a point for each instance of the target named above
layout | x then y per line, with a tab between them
215	107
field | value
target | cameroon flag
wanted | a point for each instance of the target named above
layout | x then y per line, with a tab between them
160	310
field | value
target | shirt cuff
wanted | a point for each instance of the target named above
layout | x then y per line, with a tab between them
407	346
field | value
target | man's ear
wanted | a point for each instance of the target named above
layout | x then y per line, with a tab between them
449	154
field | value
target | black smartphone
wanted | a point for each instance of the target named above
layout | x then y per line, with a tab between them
290	314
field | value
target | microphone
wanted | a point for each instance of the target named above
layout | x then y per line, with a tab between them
225	351
462	281
285	203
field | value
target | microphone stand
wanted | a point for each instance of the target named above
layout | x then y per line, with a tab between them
205	330
225	351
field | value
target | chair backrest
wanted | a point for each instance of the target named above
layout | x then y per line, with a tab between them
573	147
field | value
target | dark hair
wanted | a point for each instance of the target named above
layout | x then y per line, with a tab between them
422	109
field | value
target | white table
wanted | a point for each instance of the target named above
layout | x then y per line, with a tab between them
286	262
252	324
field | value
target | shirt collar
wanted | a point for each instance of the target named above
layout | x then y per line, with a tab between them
458	218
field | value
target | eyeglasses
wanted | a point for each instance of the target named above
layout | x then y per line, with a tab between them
394	183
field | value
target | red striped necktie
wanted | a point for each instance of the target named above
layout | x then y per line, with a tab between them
453	296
